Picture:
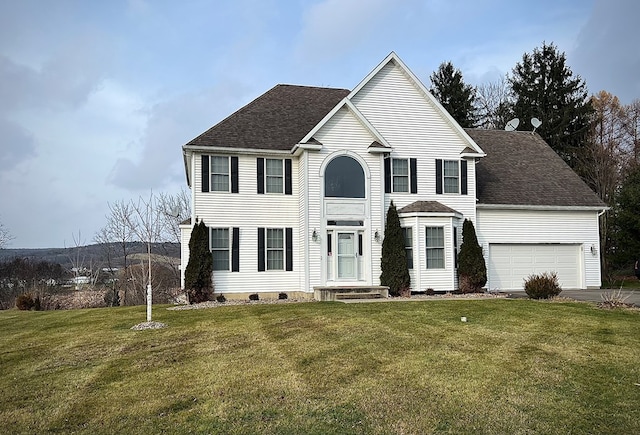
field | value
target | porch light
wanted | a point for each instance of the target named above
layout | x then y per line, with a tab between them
594	251
314	235
376	236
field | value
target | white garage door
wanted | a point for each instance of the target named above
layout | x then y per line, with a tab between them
509	265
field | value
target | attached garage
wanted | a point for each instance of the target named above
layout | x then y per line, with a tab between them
510	264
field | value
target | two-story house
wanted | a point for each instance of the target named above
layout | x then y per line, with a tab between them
295	187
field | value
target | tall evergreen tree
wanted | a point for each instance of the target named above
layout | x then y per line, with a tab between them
472	270
198	274
449	88
544	87
627	220
395	272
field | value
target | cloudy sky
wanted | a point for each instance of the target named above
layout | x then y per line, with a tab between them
97	97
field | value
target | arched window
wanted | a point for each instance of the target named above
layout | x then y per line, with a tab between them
344	178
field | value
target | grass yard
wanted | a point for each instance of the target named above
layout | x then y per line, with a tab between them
517	366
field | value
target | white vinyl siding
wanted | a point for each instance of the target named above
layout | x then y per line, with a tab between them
526	227
411	122
248	211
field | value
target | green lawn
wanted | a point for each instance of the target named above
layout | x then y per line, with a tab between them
517	366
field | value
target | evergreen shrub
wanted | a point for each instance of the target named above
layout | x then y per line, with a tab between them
472	270
198	274
395	272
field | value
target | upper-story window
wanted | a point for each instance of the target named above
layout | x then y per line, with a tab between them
274	176
219	174
451	174
344	178
400	175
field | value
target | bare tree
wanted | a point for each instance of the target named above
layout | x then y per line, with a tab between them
174	209
146	223
494	103
5	236
601	162
116	237
632	129
77	258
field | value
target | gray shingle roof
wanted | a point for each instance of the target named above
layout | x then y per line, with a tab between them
276	120
522	169
426	207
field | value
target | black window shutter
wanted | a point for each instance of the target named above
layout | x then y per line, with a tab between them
413	164
463	177
235	250
260	170
289	248
387	175
234	175
287	176
205	173
438	176
261	265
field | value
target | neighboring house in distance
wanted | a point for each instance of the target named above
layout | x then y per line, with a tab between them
295	187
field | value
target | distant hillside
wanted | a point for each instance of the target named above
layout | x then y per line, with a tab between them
89	255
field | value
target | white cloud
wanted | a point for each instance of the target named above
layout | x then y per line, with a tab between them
157	159
333	28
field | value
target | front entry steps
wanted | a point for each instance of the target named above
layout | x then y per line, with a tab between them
350	293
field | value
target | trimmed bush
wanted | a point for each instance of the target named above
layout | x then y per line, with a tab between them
25	302
254	297
221	299
472	270
542	286
282	296
395	272
199	271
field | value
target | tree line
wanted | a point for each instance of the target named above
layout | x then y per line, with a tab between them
596	135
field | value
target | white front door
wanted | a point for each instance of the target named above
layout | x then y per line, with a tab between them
347	256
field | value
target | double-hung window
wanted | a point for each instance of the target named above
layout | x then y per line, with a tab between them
435	247
274	175
275	249
408	245
219	173
451	174
400	175
220	247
